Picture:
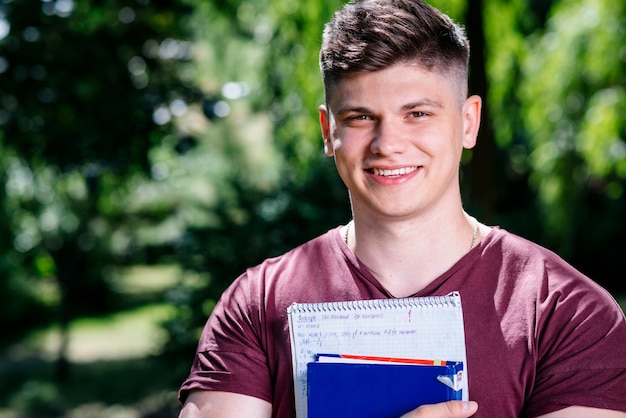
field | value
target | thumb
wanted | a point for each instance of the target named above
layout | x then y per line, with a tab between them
450	409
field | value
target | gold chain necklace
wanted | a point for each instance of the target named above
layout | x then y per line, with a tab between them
475	234
347	231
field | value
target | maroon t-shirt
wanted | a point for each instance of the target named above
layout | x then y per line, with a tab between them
540	336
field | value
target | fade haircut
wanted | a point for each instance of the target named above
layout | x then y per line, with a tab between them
371	35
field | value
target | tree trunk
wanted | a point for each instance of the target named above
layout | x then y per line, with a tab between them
480	172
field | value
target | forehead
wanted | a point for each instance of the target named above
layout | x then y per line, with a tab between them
395	85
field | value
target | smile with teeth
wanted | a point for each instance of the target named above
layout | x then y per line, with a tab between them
395	172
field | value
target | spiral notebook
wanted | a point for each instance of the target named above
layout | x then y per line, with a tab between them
421	328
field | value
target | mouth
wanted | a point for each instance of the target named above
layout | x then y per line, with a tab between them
396	172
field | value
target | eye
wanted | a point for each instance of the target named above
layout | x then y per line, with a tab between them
357	119
417	115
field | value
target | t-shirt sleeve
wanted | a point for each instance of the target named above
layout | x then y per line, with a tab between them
581	347
230	356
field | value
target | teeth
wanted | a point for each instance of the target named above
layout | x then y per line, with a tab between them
395	172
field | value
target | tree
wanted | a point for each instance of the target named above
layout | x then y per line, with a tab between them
87	89
579	157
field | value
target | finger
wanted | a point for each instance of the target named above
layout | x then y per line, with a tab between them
450	409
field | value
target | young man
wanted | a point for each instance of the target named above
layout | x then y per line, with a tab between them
541	338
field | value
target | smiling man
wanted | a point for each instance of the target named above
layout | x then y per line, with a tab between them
541	338
397	135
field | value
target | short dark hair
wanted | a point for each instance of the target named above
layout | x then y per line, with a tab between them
370	35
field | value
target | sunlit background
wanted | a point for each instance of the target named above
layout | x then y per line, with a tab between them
153	149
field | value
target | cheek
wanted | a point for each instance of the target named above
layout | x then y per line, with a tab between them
442	141
356	140
351	149
339	141
348	158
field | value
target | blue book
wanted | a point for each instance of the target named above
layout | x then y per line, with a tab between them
375	390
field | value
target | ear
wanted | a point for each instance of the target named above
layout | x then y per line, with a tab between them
325	125
471	120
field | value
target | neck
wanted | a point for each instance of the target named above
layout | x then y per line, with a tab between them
405	256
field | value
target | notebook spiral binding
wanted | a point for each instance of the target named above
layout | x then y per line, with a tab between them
451	299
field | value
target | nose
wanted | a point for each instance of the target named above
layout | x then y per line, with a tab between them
388	139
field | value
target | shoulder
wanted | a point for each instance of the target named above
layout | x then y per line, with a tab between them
322	249
263	292
514	248
543	276
290	276
567	306
528	262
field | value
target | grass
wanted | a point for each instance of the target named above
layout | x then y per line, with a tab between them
114	371
124	335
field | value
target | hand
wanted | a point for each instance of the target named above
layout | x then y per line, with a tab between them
450	409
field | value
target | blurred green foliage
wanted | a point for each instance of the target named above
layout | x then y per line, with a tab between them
149	132
573	88
81	88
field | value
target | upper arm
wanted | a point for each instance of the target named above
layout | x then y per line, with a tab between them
580	342
584	412
231	356
213	404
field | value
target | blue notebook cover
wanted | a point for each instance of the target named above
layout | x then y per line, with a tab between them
376	390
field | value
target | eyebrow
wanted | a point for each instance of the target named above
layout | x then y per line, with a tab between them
348	109
422	102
